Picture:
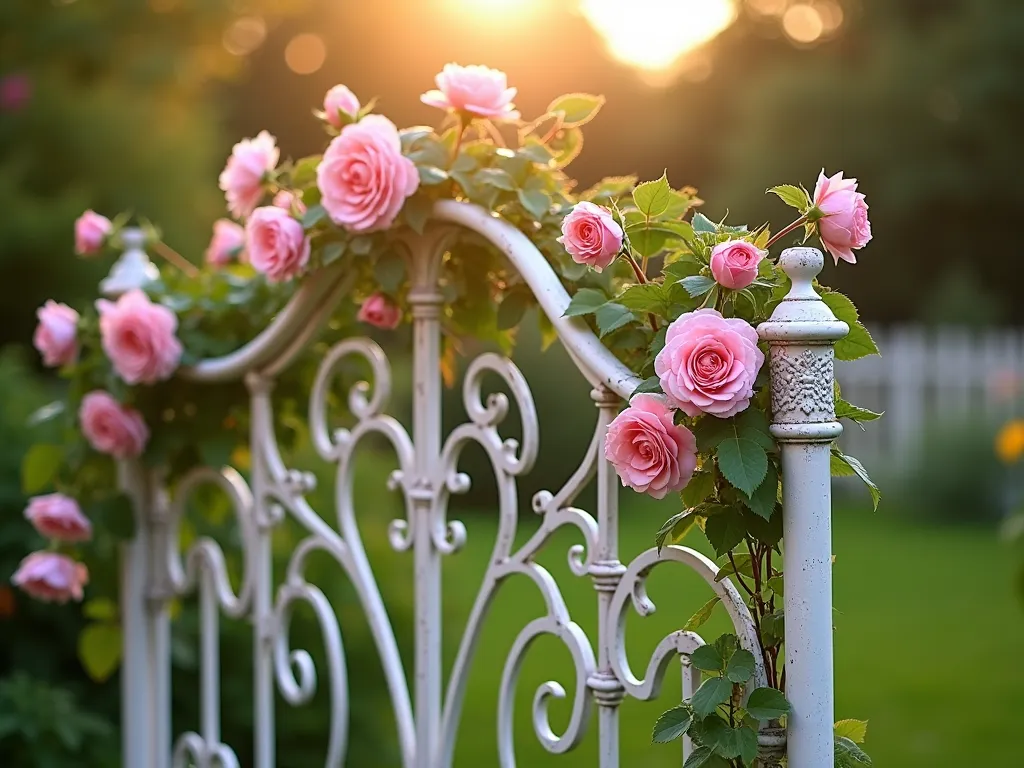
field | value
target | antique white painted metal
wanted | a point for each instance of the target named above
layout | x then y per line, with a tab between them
426	708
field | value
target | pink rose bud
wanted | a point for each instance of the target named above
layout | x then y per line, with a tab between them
57	516
290	201
51	577
276	244
228	239
734	263
91	230
845	227
475	90
364	178
138	338
112	428
56	336
242	178
709	363
380	311
651	453
340	99
591	236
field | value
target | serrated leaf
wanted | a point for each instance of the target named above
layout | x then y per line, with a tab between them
648	297
700	618
534	201
652	198
586	301
741	666
842	465
724	531
496	177
577	108
697	285
845	410
849	755
767	704
792	196
39	466
740	563
698	757
858	343
707	659
611	316
675	528
777	585
701	485
712	692
742	462
650	385
702	223
727	645
672	725
762	501
99	649
610	188
854	730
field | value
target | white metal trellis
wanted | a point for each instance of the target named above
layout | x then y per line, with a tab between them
426	708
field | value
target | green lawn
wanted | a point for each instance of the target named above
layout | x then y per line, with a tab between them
928	647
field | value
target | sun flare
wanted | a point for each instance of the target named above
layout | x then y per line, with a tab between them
654	35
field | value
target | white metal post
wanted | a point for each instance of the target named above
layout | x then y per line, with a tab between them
801	333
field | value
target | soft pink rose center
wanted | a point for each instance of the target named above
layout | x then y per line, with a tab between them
710	363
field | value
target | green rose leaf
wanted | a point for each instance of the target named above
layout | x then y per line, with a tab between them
576	108
653	198
858	343
743	462
697	285
648	297
416	212
331	253
741	666
845	410
313	215
609	188
854	730
700	487
611	317
99	649
849	755
794	197
496	177
675	528
762	501
40	466
767	704
534	201
712	692
698	757
707	659
586	301
702	223
672	725
431	175
724	531
843	465
651	385
698	619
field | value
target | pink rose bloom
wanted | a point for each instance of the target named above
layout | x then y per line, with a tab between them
289	201
340	99
364	179
709	363
734	263
138	337
91	229
845	227
51	577
477	90
56	336
276	244
57	516
651	453
228	238
242	177
380	311
591	236
112	428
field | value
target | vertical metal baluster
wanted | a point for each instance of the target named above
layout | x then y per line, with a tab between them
263	598
209	662
606	572
801	333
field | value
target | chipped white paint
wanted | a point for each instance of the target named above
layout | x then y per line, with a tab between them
426	708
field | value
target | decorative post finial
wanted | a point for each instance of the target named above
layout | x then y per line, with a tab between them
133	269
801	333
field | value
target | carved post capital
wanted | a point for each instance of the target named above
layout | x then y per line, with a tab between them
801	333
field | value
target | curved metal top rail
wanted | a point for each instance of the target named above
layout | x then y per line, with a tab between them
307	307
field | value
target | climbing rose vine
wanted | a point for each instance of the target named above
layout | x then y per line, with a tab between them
675	294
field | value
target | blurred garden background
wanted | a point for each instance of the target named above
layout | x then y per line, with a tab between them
135	104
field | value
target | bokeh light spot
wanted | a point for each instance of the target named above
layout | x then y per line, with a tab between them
245	35
831	13
654	35
305	53
768	7
803	23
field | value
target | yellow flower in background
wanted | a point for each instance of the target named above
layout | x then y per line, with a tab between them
1010	441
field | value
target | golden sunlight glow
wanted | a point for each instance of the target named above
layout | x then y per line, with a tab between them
496	11
654	35
803	23
245	35
305	53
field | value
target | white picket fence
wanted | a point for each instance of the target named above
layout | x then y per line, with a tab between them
926	376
